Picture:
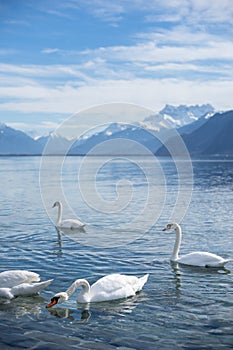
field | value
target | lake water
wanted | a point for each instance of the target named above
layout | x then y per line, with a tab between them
125	207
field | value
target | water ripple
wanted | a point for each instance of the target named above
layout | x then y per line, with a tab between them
179	307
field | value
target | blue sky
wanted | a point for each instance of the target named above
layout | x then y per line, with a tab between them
60	57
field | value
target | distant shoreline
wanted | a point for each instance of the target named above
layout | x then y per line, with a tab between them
192	157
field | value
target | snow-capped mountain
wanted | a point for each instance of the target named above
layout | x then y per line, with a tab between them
56	143
147	133
15	142
177	117
213	138
132	137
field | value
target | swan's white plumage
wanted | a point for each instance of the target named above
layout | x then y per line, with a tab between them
110	287
201	259
15	283
12	278
67	223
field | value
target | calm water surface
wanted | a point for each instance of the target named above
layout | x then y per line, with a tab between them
179	307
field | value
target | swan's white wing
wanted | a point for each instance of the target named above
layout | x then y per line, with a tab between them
202	259
140	282
11	278
69	223
29	288
115	286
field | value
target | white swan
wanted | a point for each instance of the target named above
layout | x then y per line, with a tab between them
202	259
68	223
110	287
14	283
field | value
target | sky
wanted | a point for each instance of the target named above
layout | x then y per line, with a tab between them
58	58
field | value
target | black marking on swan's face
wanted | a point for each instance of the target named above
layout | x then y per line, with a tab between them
171	226
168	227
53	302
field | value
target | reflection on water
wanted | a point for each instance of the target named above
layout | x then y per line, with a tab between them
115	307
61	313
22	306
180	269
72	231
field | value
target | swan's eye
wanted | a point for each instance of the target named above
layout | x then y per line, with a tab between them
169	226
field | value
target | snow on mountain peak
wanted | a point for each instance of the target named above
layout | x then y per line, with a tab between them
2	126
179	116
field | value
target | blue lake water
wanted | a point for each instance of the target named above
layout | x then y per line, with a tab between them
179	307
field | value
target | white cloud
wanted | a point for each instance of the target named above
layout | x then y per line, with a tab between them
196	54
49	51
212	69
178	44
10	73
191	12
150	93
18	22
4	52
35	129
150	52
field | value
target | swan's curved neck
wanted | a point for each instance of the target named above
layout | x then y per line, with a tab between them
80	282
175	253
59	213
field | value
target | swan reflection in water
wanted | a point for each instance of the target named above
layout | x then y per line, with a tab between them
178	270
22	306
108	308
68	313
73	233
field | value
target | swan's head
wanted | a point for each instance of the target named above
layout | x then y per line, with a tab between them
172	226
56	204
58	299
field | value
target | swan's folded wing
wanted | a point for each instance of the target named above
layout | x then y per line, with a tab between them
115	286
29	288
6	293
11	278
202	259
71	223
120	292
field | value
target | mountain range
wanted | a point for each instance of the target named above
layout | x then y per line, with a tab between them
203	132
15	142
118	139
212	138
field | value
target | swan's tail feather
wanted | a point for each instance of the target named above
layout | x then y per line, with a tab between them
219	264
29	288
42	285
141	281
227	261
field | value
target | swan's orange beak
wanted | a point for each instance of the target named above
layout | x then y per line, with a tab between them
52	303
